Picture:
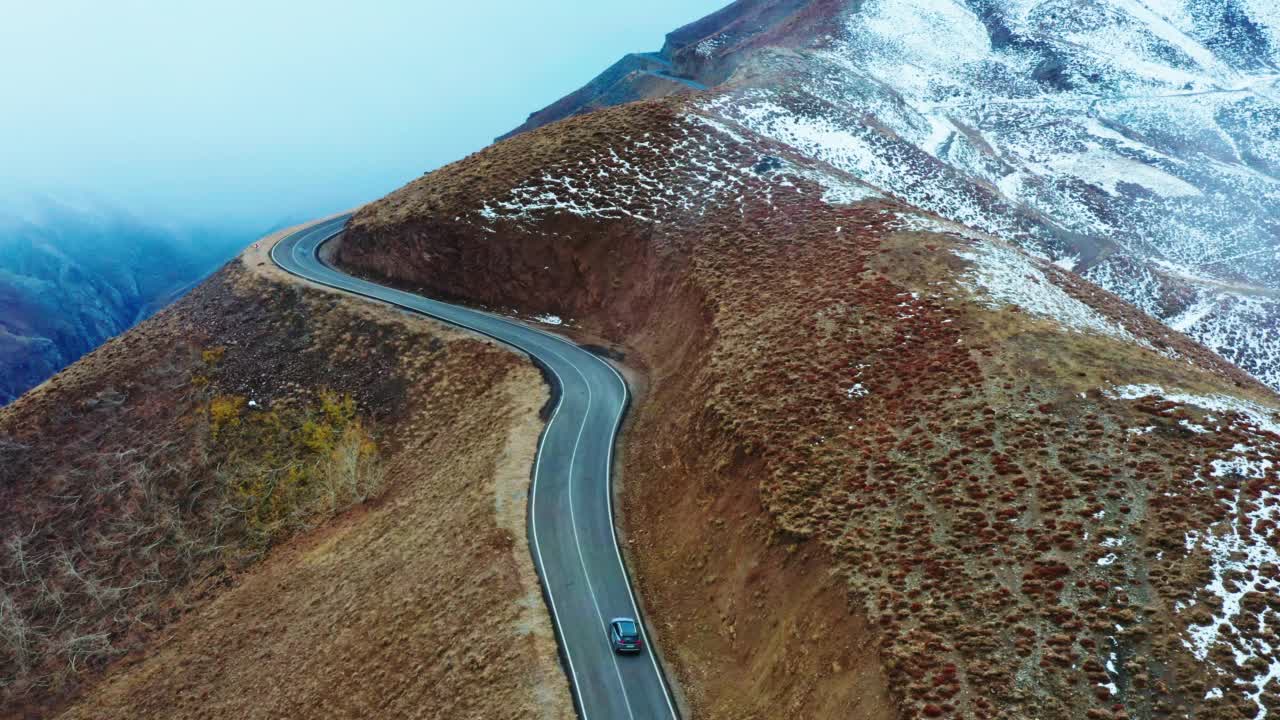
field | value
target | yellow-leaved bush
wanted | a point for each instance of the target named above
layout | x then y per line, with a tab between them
288	467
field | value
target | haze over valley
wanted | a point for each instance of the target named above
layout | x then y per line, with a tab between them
143	144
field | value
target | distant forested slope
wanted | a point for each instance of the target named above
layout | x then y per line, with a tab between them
73	275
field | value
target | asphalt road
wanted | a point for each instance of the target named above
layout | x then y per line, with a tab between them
571	509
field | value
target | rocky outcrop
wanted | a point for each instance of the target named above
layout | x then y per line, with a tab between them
703	53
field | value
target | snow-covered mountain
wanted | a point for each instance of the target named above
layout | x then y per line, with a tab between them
1136	142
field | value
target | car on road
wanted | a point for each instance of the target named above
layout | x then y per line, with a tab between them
624	635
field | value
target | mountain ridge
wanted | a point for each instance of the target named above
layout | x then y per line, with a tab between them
1140	146
918	432
1034	497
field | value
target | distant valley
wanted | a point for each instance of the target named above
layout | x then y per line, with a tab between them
74	274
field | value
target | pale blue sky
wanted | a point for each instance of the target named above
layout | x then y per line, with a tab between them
264	110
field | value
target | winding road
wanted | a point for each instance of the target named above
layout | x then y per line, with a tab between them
571	527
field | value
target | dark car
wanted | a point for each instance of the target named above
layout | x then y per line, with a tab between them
624	635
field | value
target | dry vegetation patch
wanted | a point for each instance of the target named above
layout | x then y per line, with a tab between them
145	485
833	396
416	606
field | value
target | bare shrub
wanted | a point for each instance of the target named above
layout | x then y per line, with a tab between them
307	465
16	636
126	501
353	472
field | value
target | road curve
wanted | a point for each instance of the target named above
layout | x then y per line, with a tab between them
571	529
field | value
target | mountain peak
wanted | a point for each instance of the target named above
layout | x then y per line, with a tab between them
1137	139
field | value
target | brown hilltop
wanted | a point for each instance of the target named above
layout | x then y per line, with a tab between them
883	467
272	500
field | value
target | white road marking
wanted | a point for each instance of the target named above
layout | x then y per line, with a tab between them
537	547
573	522
617	425
339	283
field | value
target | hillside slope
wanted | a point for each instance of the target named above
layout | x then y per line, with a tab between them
1133	141
271	500
884	465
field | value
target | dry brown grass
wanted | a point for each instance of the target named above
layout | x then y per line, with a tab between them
417	606
951	501
138	478
154	477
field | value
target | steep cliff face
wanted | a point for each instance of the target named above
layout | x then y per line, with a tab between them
72	277
889	465
1137	143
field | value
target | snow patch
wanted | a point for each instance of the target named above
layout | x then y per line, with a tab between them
1010	277
1265	419
1067	263
1237	554
856	390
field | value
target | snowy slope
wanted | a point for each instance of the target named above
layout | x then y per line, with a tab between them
1137	141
